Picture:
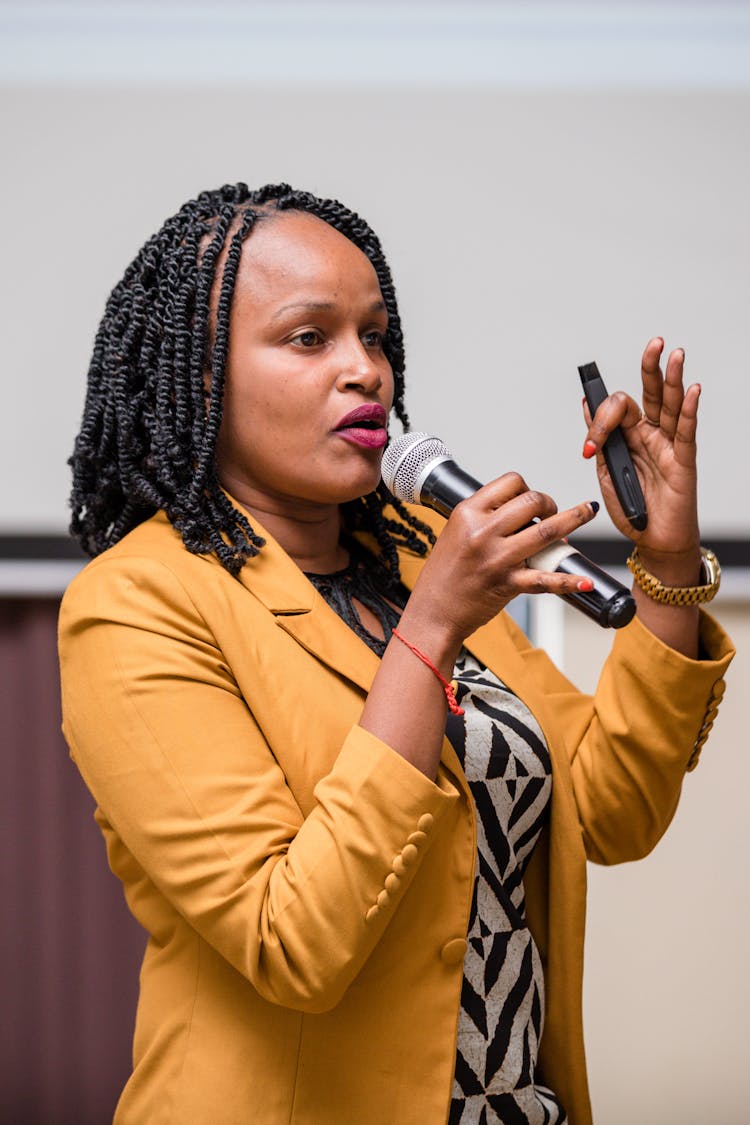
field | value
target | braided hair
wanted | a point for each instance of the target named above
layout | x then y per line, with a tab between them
148	436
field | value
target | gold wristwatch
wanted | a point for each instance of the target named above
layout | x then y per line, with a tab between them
678	595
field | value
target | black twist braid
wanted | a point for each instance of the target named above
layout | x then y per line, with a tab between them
148	435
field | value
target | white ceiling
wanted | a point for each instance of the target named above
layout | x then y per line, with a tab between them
416	43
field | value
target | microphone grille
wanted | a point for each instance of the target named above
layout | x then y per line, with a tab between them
404	462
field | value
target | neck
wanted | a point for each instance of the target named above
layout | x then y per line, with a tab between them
310	536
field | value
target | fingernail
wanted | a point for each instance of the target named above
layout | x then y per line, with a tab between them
589	449
594	505
585	584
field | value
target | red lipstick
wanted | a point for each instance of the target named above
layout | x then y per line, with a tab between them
365	426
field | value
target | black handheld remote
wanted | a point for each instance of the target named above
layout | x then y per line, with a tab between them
616	453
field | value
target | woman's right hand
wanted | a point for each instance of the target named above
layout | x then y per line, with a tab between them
479	562
476	567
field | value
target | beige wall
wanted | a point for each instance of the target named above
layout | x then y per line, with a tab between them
528	232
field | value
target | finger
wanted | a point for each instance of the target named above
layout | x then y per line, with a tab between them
522	510
531	540
672	393
652	381
498	492
528	580
618	409
687	424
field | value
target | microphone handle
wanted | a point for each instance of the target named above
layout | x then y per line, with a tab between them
445	485
610	603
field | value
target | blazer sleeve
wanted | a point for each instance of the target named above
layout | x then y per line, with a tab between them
631	743
184	775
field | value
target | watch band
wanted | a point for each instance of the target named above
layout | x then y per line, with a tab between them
678	595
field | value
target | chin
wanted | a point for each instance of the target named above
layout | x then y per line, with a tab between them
356	493
354	481
362	486
337	480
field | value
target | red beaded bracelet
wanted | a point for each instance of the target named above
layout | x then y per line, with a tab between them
447	688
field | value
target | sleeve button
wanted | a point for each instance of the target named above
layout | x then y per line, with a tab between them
425	822
372	913
416	838
409	854
453	952
392	882
383	898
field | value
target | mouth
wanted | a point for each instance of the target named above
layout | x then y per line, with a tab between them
364	426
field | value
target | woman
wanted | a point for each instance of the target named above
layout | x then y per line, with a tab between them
351	916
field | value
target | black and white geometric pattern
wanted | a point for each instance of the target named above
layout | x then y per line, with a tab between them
507	764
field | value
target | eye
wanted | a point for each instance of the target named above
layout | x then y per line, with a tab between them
373	338
310	338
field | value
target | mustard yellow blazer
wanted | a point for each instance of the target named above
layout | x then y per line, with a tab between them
306	891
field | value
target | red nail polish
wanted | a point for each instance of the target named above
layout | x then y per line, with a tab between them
589	449
585	585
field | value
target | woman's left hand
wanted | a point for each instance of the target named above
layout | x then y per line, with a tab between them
661	440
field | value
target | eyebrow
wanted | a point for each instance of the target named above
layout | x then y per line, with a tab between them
319	306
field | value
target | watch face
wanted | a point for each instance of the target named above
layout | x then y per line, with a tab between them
711	577
711	567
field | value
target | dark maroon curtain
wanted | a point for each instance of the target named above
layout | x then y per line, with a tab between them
70	949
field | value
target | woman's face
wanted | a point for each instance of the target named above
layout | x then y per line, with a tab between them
305	351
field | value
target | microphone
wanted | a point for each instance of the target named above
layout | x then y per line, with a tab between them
419	469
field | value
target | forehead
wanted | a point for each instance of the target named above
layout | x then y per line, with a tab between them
296	253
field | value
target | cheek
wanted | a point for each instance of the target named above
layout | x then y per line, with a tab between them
270	418
256	390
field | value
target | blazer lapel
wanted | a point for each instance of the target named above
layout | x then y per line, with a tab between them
322	632
275	579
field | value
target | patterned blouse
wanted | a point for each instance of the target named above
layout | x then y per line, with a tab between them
507	764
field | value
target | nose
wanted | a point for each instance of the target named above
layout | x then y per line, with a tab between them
359	368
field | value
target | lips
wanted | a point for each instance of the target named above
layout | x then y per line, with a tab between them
365	426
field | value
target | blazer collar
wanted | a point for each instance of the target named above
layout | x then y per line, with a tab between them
275	580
